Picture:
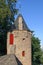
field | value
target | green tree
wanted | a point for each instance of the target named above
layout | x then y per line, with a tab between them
7	12
36	51
41	56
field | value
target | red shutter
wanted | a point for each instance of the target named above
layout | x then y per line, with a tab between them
11	39
23	53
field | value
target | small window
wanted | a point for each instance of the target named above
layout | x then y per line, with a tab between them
23	53
23	38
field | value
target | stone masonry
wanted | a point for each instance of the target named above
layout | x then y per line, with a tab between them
21	46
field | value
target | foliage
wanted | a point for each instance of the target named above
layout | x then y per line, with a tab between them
41	56
36	51
7	12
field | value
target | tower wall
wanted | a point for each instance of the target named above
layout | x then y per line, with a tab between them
21	46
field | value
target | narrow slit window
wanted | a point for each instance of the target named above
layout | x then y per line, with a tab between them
11	39
23	53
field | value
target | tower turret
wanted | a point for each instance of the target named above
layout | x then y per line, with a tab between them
19	41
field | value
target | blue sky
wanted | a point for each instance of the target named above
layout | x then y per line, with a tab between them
32	11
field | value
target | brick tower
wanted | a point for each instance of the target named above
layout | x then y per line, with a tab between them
19	41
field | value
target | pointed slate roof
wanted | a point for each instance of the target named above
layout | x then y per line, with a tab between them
25	27
15	26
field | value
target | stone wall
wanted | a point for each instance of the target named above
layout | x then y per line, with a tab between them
22	43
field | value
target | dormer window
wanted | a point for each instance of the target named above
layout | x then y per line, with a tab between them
20	23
